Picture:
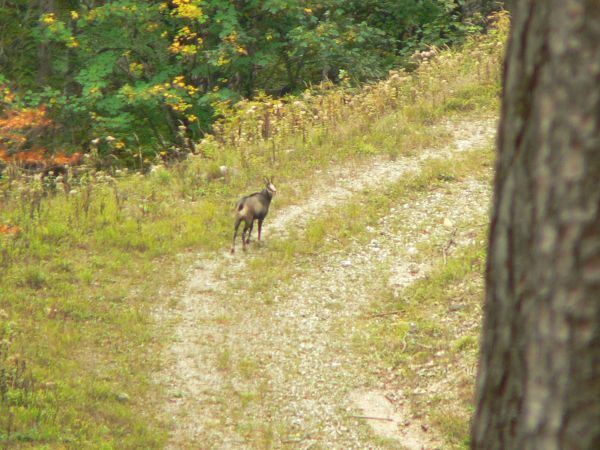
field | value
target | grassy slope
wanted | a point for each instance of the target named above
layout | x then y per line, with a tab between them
424	339
78	284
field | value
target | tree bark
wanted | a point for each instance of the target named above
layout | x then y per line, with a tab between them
539	375
44	48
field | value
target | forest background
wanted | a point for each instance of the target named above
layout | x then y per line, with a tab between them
136	81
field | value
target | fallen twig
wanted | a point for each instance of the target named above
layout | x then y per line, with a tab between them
372	418
297	440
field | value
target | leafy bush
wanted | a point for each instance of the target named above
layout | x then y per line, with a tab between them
151	74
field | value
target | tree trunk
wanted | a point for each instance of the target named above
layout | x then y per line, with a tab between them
539	376
44	49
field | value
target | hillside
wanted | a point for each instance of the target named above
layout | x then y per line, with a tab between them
125	323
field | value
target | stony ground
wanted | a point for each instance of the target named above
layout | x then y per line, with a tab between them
251	369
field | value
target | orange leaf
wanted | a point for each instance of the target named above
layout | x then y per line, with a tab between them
10	230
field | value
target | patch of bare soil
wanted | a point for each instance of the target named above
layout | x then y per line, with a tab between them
244	374
392	420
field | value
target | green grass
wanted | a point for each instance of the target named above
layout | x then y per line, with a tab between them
333	230
424	332
391	342
79	283
411	339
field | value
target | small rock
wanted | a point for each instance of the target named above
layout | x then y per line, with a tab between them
448	223
123	397
414	269
346	263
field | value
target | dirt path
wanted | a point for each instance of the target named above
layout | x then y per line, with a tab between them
250	374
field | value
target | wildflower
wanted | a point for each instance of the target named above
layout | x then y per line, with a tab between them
72	43
49	19
74	15
136	68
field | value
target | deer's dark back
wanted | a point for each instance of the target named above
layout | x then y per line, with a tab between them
250	208
254	206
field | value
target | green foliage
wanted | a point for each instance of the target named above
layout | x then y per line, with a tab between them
415	25
150	73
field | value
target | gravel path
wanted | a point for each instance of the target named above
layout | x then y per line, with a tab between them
244	373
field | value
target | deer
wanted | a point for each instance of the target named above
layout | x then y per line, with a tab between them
250	208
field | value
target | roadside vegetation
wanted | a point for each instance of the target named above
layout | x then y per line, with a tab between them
153	74
87	253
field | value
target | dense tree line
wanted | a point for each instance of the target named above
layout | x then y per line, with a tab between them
150	72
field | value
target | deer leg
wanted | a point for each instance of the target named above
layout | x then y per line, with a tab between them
235	232
244	236
249	232
259	229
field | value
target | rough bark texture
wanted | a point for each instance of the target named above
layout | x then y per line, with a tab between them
539	376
